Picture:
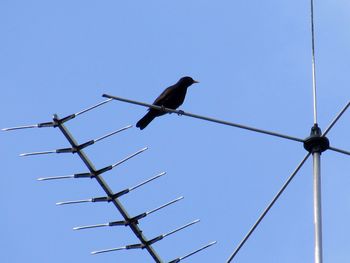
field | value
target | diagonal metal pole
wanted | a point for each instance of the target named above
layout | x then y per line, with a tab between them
134	227
337	117
261	217
339	150
180	112
331	125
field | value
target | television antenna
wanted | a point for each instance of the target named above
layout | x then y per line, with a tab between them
132	222
315	145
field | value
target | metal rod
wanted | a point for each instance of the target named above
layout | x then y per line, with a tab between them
80	175
317	206
193	252
130	156
313	63
20	127
180	228
339	150
198	250
74	202
105	199
336	119
93	107
55	177
37	153
52	124
90	226
107	250
165	205
112	133
147	181
267	208
180	112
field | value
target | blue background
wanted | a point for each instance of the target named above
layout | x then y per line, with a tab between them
253	61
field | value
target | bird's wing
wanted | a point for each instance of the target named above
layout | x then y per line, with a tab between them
163	96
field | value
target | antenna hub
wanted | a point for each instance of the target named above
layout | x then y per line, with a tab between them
316	142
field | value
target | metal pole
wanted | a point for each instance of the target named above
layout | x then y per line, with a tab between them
339	150
334	121
261	217
317	206
180	113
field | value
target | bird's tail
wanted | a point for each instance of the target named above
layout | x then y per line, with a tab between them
145	120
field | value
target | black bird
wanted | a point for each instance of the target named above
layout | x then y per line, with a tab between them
172	97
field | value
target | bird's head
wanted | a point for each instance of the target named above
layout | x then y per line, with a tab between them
187	81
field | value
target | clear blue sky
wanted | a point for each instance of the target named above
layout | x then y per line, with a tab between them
253	61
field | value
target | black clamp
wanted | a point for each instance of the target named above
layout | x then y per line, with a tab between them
316	142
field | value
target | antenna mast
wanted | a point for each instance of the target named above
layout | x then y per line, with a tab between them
316	153
313	63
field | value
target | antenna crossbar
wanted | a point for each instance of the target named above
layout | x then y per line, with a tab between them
103	198
133	220
192	253
75	148
55	123
143	245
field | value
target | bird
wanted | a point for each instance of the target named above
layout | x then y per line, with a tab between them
172	97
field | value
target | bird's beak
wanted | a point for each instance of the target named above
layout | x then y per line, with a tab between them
195	81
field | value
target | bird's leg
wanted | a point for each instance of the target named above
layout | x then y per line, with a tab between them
180	112
163	109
